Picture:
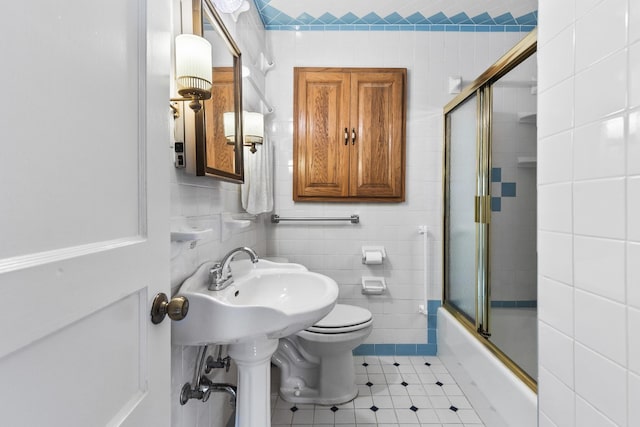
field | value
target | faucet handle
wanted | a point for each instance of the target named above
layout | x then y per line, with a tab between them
215	272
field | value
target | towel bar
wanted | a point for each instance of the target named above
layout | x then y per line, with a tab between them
354	219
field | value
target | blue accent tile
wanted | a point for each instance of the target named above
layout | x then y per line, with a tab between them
305	18
467	28
395	18
514	304
432	320
332	27
282	19
327	18
508	189
391	27
433	305
269	14
437	28
371	18
364	350
385	349
460	18
452	28
439	18
377	27
528	303
406	349
427	349
417	18
483	28
528	19
527	28
431	336
483	18
512	28
505	19
349	18
496	204
496	174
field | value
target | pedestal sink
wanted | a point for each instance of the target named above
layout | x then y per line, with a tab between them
267	301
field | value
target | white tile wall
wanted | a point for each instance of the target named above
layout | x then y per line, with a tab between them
335	249
599	266
599	149
599	157
560	406
634	398
590	45
553	153
601	383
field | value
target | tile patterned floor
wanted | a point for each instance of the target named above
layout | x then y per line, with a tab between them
394	391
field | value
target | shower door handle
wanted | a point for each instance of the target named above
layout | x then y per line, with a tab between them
483	333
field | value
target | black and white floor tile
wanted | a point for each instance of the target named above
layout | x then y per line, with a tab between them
394	391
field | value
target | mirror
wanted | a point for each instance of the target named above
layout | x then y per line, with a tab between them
215	154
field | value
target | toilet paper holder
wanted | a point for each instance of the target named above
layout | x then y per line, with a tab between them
373	250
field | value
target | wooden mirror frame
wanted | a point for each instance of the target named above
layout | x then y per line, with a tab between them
204	9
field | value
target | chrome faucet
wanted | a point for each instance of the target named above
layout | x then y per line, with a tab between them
220	273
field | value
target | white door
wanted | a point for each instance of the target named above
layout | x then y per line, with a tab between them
84	236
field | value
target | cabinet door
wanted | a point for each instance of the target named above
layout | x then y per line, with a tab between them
377	122
321	154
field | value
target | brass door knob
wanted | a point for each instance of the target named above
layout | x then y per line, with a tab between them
177	308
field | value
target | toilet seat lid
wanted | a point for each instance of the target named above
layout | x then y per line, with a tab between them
342	317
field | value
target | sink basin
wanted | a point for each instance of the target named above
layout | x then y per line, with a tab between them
267	300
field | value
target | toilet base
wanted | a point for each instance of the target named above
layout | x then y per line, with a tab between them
334	383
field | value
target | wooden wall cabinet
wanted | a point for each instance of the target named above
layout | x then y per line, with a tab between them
349	134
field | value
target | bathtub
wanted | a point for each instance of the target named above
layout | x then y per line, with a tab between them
497	395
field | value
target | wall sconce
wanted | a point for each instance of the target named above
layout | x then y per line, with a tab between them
253	128
193	70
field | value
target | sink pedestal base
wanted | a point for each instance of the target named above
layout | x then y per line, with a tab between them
253	402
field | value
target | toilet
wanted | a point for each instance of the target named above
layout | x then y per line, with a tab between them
316	364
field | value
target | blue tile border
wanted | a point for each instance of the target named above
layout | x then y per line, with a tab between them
404	27
514	304
430	349
276	20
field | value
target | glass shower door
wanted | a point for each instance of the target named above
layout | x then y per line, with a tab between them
490	209
512	231
460	247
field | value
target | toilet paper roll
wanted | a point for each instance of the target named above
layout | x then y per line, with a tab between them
372	257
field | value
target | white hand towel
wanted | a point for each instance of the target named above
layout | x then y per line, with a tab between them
257	190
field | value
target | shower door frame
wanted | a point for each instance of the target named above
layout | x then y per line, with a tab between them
482	89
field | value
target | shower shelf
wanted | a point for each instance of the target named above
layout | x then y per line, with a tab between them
527	162
527	117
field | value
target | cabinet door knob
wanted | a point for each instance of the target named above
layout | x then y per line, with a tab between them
353	136
346	136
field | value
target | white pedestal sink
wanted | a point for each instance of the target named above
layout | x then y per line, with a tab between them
266	302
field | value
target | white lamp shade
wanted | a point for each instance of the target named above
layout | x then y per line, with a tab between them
193	63
253	125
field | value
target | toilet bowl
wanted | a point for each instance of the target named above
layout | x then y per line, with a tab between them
316	365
